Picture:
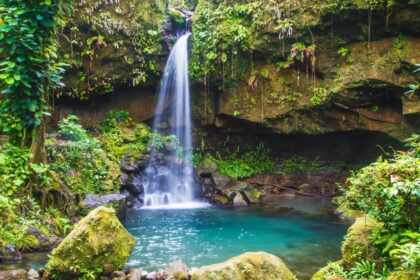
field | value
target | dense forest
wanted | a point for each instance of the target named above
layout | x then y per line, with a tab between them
210	139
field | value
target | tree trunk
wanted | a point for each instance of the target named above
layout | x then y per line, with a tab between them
38	154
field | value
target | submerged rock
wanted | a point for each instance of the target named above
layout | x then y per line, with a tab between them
96	240
248	266
114	200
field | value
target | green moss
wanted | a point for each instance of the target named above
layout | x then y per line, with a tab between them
96	240
177	16
358	244
250	266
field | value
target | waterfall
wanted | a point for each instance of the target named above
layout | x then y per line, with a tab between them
168	178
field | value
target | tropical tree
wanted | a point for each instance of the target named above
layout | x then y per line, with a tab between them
29	70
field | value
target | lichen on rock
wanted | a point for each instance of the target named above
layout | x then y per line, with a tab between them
96	240
248	266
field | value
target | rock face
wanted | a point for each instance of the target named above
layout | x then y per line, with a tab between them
96	240
358	244
117	201
248	266
9	253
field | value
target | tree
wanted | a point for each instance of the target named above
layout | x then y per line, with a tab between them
29	70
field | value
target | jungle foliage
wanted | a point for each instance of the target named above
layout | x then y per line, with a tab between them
389	191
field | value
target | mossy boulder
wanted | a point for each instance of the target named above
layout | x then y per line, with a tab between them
96	240
358	243
250	266
325	272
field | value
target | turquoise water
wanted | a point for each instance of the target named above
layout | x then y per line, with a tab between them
307	237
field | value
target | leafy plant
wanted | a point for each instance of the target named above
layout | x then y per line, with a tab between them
240	165
113	119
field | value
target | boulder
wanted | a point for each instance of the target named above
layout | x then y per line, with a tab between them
220	199
15	274
39	241
114	200
239	200
248	266
252	196
220	180
135	274
177	271
9	253
107	269
128	167
96	240
32	275
358	243
118	275
151	275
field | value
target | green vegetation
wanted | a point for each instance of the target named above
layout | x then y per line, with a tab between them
80	160
238	165
387	190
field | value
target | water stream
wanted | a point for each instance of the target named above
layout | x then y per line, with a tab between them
168	179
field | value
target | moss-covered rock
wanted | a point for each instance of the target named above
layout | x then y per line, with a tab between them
402	275
325	272
358	244
249	266
96	240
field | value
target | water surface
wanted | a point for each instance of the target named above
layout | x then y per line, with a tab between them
307	237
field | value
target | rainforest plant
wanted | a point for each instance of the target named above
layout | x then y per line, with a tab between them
30	70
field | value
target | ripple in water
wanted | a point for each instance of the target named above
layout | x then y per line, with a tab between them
307	238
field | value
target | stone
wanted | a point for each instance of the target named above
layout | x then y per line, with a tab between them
107	269
239	201
358	243
248	266
128	167
220	180
161	275
220	199
15	274
135	274
177	270
251	196
32	274
118	275
151	276
9	253
96	240
114	200
104	278
39	240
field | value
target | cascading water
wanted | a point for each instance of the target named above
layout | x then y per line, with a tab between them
168	178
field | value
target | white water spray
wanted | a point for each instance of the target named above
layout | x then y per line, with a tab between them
168	179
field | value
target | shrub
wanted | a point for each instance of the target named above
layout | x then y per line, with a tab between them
237	165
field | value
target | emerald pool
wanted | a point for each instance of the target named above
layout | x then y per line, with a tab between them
306	237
